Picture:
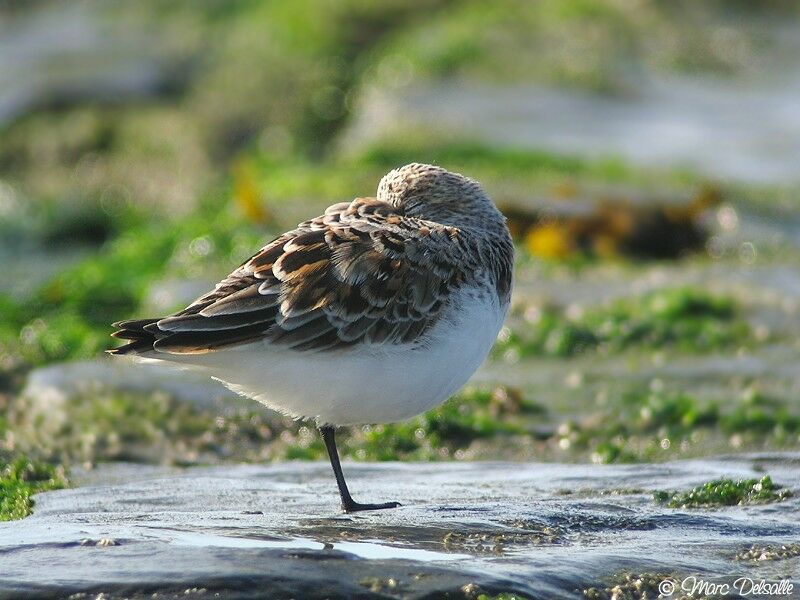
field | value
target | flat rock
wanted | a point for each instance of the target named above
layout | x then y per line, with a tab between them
670	121
68	53
540	530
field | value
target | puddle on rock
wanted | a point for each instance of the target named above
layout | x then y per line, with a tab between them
499	526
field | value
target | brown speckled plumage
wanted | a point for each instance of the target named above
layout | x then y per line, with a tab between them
374	271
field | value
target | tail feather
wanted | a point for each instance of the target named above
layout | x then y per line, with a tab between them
140	332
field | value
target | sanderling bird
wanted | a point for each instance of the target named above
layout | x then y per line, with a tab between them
374	312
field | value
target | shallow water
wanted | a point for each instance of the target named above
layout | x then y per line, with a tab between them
544	530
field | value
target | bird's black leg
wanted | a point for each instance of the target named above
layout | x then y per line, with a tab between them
348	504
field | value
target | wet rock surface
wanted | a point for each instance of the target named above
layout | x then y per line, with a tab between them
540	530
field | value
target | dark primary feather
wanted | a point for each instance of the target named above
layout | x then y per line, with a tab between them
362	273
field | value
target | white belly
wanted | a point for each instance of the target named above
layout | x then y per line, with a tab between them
364	385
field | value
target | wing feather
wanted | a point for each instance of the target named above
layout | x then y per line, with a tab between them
362	273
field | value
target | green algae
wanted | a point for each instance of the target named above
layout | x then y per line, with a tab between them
480	422
442	433
725	492
633	428
645	425
69	315
106	425
601	43
757	414
21	478
684	318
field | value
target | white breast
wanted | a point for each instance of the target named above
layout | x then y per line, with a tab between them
365	384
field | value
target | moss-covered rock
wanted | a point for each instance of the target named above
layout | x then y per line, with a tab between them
102	424
20	479
725	492
684	318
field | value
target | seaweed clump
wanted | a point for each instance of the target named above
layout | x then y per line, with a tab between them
684	318
725	492
20	479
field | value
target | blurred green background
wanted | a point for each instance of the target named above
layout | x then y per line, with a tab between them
645	152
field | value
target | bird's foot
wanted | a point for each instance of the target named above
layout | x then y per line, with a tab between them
353	506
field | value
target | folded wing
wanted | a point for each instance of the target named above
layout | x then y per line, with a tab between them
362	273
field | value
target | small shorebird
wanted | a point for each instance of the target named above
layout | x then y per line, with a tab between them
374	312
